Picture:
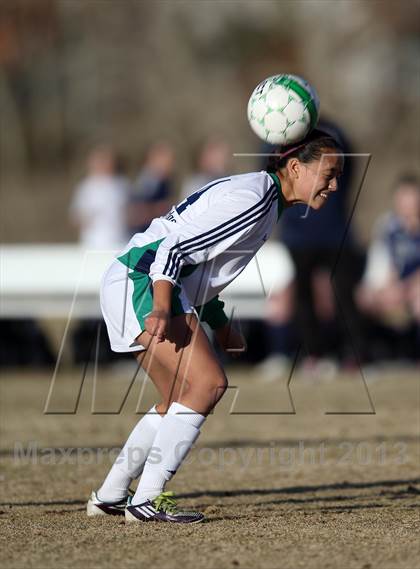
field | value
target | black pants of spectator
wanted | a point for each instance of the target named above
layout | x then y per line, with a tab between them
344	335
23	343
90	342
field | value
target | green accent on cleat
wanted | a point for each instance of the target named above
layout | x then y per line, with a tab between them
166	502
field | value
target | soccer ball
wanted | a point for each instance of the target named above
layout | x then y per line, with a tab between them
283	109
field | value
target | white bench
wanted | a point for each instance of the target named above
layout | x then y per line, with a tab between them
62	281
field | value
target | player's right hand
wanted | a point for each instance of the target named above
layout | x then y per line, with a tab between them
157	324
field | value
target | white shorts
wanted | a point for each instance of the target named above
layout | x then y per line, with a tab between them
126	298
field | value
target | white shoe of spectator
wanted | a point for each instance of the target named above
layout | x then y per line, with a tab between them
319	369
274	368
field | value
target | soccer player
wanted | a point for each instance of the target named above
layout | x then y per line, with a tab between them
167	279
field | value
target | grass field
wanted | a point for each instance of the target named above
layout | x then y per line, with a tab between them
329	485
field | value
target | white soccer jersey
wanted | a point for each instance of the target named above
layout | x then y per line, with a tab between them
207	240
200	246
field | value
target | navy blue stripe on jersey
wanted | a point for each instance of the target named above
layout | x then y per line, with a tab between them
236	222
214	240
194	197
181	253
143	264
250	211
216	232
219	232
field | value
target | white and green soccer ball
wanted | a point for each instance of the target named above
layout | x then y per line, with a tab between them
283	109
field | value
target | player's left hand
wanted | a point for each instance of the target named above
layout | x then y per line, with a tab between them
230	340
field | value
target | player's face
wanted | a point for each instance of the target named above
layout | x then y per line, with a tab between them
318	179
407	206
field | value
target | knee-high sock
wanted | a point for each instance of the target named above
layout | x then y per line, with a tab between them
129	463
176	435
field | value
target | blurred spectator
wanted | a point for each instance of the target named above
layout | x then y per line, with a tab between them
316	312
390	291
211	162
279	334
153	188
100	201
99	209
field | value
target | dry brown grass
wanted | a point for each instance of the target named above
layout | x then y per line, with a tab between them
355	506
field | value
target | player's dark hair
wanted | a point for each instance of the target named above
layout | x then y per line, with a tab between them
307	150
407	179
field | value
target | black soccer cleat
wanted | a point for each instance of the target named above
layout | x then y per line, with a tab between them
96	507
161	509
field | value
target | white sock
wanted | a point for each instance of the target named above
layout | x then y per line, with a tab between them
176	435
129	463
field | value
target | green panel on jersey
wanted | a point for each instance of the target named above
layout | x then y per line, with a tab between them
143	297
281	202
213	313
134	255
138	259
133	258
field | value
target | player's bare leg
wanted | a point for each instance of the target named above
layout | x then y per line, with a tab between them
190	381
184	368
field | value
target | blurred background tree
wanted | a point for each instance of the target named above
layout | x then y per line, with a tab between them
76	72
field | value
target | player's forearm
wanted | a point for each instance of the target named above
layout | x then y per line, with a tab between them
162	295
